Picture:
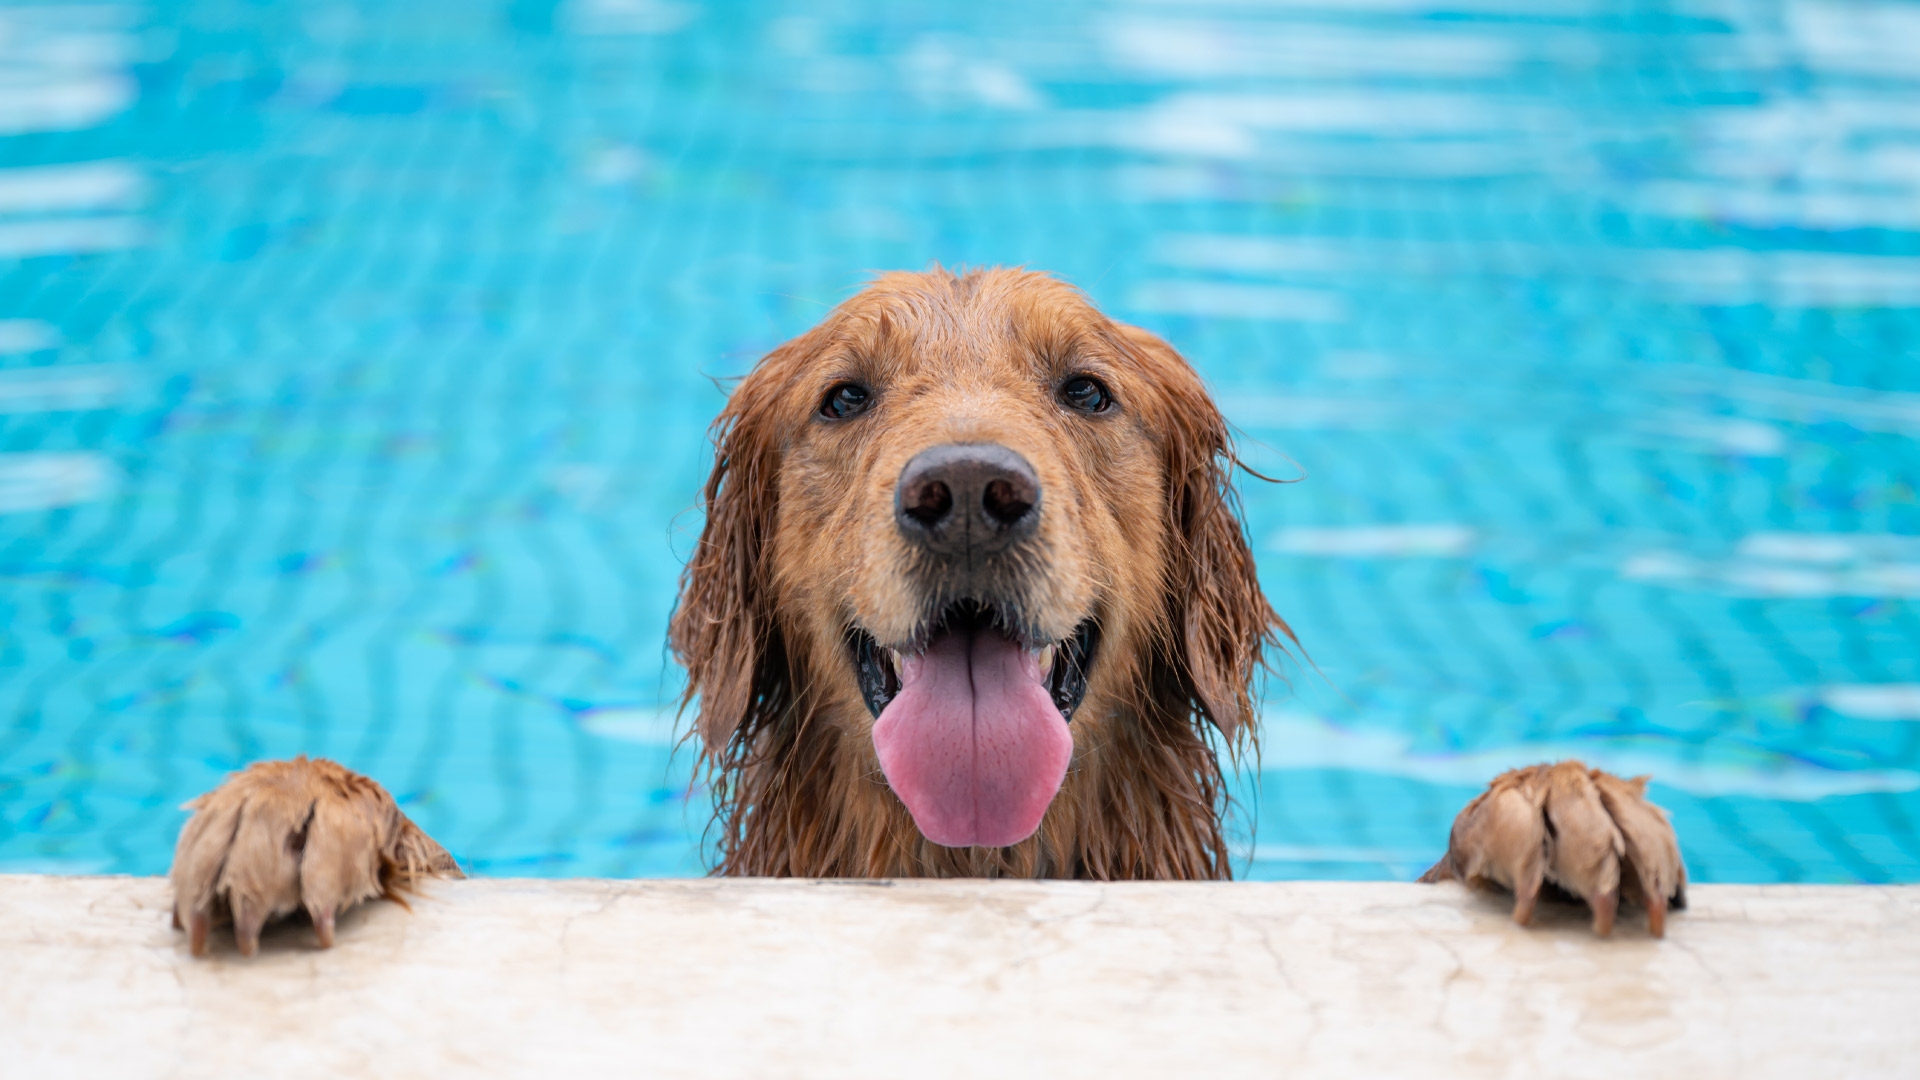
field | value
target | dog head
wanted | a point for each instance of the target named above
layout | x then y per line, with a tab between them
971	526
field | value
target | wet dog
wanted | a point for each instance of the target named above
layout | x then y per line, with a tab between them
972	598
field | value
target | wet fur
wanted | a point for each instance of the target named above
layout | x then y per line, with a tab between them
1140	528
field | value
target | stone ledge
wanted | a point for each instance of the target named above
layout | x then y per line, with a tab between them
891	979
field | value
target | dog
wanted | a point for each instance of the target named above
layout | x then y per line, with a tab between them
972	598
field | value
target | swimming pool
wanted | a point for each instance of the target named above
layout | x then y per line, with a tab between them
355	362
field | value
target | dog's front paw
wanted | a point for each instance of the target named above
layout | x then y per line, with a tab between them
286	835
1590	833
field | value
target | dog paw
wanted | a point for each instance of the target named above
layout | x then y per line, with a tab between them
287	835
1589	833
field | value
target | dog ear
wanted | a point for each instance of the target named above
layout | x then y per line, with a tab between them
1221	621
723	630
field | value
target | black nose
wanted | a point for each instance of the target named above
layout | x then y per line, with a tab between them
965	499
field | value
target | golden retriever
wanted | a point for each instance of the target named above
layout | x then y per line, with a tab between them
972	598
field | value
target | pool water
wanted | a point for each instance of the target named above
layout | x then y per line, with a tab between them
356	359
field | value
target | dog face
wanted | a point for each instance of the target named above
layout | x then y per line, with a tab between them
968	526
954	532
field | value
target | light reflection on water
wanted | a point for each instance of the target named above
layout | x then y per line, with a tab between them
354	366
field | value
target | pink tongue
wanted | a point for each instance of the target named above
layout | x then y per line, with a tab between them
972	743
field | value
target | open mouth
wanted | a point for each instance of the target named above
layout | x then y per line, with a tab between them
970	724
1063	664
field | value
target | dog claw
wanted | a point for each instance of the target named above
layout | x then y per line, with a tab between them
1588	833
1524	899
197	936
247	921
1605	906
323	927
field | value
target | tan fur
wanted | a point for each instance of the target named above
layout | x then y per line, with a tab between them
283	836
1141	531
1589	832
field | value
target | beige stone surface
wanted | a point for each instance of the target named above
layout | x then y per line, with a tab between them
579	979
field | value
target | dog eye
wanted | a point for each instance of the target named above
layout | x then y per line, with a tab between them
846	399
1085	393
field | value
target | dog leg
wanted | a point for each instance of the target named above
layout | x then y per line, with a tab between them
286	835
1589	832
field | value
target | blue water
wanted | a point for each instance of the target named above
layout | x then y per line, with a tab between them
355	362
